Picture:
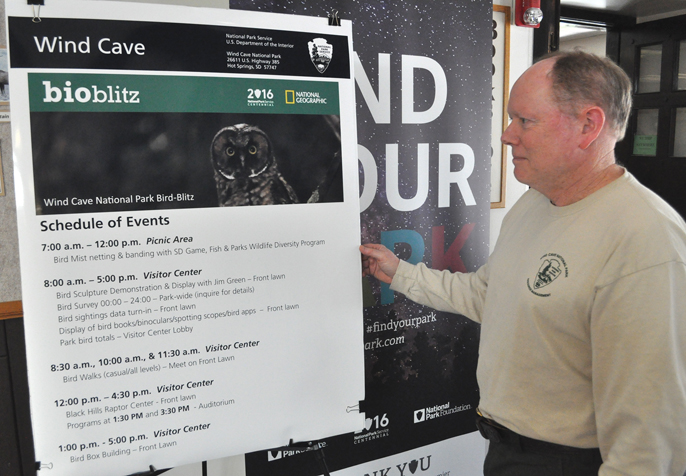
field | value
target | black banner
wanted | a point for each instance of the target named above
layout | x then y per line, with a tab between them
423	115
150	46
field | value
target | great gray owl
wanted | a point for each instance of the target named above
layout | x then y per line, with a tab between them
245	170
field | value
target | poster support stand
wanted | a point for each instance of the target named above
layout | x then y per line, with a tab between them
315	446
150	472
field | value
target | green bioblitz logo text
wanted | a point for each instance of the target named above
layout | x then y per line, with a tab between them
109	94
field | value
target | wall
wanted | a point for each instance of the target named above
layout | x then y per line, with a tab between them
591	44
521	48
660	16
10	287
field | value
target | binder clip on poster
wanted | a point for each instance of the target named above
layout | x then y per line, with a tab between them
334	19
36	11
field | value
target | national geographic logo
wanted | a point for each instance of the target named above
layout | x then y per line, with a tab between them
438	411
304	97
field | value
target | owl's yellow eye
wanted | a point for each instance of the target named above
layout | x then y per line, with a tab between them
230	151
252	149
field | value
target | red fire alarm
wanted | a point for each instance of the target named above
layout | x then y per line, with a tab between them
528	13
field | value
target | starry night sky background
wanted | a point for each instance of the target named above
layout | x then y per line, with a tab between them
437	362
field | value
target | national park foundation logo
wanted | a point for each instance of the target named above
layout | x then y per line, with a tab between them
552	267
437	411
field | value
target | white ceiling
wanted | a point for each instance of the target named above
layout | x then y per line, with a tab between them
639	9
570	31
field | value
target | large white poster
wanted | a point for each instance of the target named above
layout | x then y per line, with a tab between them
188	218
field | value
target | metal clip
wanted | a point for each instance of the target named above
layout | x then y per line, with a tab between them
334	19
36	14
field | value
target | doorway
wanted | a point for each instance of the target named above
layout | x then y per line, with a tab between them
654	150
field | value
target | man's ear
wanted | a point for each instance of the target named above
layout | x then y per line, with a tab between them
592	122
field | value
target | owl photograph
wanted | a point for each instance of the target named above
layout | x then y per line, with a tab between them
148	161
246	171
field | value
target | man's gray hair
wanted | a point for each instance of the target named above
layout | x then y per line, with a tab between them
581	79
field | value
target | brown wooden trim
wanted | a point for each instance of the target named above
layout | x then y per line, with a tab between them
506	98
11	310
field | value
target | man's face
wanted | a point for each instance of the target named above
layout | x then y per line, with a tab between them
543	138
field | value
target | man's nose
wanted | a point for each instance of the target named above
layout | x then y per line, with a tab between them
508	137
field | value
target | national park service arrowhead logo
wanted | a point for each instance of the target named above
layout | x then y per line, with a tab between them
321	53
552	266
547	273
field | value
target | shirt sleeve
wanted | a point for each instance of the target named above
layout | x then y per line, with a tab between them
460	293
638	336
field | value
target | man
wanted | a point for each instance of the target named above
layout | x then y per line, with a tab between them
582	360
